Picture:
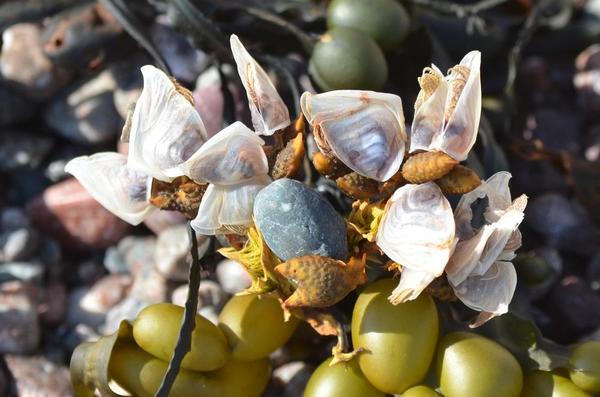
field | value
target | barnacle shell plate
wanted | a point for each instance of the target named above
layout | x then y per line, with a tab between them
456	135
122	191
233	155
364	129
269	112
229	206
165	128
417	229
490	292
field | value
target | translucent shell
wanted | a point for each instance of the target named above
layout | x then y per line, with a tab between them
120	190
448	113
490	292
417	229
227	209
364	129
269	112
233	155
165	128
412	283
479	270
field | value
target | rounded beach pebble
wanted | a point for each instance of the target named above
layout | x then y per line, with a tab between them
296	221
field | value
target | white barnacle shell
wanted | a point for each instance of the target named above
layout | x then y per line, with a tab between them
165	128
489	293
232	155
364	129
269	112
224	209
417	228
496	239
448	120
412	283
122	191
480	271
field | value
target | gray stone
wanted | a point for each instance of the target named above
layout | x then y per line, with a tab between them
114	261
232	276
127	309
137	252
24	64
172	254
15	108
18	245
22	149
30	272
19	324
77	335
565	223
184	60
12	218
292	378
157	221
296	221
210	293
38	376
90	305
86	113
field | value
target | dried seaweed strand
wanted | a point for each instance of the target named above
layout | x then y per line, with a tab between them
188	322
135	28
458	10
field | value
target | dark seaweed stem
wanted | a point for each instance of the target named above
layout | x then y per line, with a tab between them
305	39
525	34
202	29
136	29
288	78
458	10
188	322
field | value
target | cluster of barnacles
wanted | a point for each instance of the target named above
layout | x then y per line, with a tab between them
399	181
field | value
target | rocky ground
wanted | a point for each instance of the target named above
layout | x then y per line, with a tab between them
70	270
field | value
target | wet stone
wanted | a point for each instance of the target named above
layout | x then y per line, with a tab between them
19	325
73	337
30	272
232	276
575	306
127	309
12	218
292	378
157	221
172	254
22	149
210	293
37	376
24	64
90	305
18	245
68	213
296	221
15	108
86	113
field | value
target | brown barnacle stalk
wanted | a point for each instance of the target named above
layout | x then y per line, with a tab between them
387	188
357	186
329	167
182	194
427	166
460	180
441	289
287	161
